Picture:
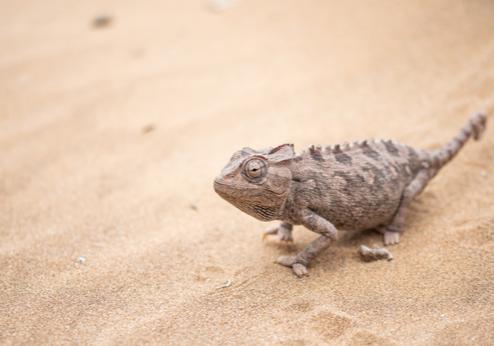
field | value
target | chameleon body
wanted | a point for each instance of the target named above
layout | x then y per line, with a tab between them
365	185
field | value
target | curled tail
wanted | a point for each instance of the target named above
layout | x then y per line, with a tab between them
474	128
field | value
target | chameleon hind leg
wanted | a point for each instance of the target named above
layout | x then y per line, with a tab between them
391	232
317	224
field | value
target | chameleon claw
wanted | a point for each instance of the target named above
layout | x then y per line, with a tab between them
391	238
286	241
299	270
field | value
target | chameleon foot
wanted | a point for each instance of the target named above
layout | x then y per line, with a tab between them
391	235
291	261
391	238
282	232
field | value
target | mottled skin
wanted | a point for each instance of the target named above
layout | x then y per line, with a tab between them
366	185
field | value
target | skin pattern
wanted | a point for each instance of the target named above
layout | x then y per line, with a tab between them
366	185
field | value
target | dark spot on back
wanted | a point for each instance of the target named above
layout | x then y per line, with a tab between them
369	152
343	158
379	175
405	169
412	155
316	154
391	148
360	179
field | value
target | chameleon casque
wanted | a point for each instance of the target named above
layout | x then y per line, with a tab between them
365	185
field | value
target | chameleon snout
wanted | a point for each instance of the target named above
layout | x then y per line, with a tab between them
219	185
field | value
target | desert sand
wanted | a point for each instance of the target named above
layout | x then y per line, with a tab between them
111	136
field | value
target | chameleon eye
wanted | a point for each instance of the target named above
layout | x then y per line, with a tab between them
255	168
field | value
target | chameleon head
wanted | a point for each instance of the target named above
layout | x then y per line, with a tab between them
257	182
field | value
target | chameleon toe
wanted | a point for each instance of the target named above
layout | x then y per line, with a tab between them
299	269
286	261
391	238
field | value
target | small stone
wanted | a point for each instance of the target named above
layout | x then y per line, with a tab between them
227	283
81	259
102	21
373	254
193	207
148	128
483	173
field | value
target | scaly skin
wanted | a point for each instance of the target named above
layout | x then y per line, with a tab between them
365	185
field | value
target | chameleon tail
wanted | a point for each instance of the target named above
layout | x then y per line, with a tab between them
474	128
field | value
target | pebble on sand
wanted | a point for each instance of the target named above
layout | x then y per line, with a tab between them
102	21
226	284
148	128
81	259
373	254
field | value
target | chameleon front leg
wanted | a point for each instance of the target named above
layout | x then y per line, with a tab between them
283	232
317	224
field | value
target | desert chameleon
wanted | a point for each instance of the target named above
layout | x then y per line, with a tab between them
365	185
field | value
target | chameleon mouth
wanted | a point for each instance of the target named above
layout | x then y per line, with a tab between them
263	213
224	190
218	186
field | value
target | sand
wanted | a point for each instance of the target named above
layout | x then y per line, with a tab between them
110	137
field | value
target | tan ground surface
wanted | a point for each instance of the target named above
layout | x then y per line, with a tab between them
80	177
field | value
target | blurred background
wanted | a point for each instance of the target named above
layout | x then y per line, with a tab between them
115	116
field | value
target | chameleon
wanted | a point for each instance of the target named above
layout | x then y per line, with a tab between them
368	184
